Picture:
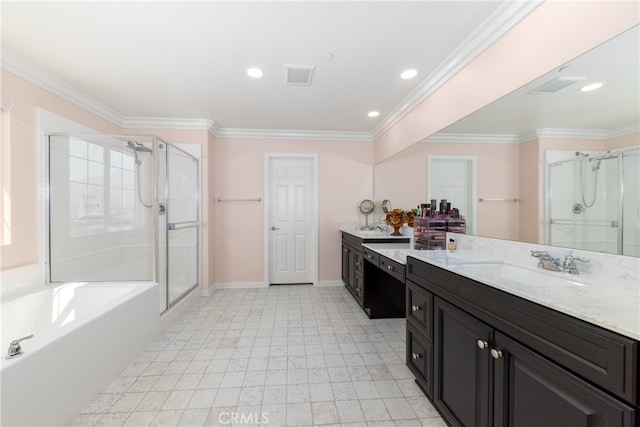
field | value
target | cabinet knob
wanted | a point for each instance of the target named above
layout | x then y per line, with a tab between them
357	289
416	308
415	356
482	344
389	267
345	250
369	256
495	353
358	264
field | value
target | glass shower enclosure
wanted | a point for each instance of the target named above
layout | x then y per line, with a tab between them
122	208
593	201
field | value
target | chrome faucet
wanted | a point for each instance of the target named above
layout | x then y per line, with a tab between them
383	228
14	347
546	261
569	265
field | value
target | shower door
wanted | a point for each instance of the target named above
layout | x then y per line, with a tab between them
182	223
583	204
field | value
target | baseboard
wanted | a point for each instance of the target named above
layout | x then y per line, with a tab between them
205	292
323	283
240	285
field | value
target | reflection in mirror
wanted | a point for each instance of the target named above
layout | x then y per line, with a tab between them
386	206
514	138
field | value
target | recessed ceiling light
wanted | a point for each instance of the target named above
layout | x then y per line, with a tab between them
326	56
592	86
254	72
409	74
373	113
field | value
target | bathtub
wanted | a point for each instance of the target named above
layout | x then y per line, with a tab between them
84	335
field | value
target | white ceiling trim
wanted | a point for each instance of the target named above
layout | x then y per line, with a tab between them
550	133
236	133
495	26
623	130
47	81
169	123
468	138
561	133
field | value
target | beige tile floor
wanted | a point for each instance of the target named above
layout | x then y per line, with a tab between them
293	355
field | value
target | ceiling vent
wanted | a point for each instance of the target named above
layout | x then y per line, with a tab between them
555	85
298	75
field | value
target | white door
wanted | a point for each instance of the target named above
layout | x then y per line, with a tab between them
453	178
291	220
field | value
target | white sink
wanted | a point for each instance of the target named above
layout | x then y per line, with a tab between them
512	273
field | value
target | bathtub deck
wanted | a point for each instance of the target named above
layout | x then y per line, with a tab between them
297	355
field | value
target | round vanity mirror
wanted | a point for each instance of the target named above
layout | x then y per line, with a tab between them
366	207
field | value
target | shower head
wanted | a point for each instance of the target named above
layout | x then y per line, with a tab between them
138	147
583	155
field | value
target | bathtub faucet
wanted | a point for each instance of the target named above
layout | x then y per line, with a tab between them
14	347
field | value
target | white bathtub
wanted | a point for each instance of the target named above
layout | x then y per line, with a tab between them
84	336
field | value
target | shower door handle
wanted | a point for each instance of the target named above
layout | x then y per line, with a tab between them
180	225
161	209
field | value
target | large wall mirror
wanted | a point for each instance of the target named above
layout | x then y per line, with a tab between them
546	163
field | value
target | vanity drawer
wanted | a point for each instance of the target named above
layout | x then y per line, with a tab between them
420	307
395	269
371	256
419	358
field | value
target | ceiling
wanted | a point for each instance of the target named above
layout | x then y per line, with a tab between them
615	106
188	59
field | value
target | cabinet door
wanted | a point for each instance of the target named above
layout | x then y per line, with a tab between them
345	264
532	391
462	370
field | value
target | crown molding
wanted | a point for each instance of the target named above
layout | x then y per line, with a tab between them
167	123
24	69
236	133
623	130
471	138
495	26
562	133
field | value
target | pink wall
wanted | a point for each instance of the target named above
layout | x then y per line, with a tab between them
345	177
22	191
553	34
403	180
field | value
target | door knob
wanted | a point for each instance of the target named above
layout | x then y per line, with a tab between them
273	227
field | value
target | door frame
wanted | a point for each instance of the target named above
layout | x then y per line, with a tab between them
472	162
314	255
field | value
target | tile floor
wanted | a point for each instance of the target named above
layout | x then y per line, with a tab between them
282	356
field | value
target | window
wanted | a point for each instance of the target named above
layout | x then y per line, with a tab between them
94	171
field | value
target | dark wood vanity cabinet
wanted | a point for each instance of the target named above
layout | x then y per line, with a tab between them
489	370
353	266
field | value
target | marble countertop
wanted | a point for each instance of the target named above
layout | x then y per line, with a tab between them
613	305
394	251
354	229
